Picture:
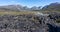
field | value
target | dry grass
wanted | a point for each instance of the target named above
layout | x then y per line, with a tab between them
22	12
16	13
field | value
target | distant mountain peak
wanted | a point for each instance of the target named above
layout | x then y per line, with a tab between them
17	7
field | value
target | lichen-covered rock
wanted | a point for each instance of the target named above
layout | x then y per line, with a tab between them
28	23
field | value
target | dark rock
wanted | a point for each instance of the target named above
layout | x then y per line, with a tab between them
29	23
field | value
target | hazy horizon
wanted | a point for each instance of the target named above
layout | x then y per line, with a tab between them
28	3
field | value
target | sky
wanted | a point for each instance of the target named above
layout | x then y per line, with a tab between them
29	3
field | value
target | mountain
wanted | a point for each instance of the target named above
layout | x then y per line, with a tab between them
11	7
52	7
34	8
17	8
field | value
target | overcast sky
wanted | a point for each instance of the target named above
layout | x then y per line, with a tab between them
28	3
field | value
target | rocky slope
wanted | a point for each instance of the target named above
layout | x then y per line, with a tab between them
29	23
18	8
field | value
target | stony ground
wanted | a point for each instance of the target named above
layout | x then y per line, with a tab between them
29	23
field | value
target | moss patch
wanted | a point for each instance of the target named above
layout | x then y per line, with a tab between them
58	20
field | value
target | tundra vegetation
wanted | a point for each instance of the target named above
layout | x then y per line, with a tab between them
32	19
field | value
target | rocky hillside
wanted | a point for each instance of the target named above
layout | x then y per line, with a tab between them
29	23
18	8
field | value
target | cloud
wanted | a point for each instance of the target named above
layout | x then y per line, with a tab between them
12	1
15	2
